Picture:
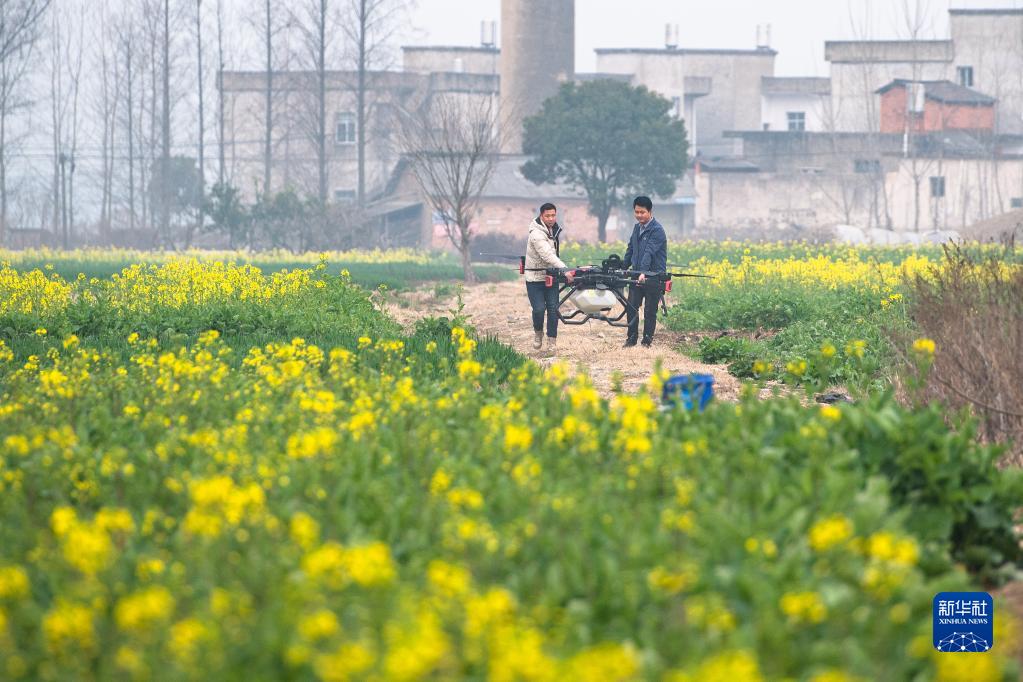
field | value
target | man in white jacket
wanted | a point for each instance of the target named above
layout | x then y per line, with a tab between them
542	251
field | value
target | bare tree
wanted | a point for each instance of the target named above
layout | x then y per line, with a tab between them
451	147
126	47
915	16
315	29
165	129
272	25
105	106
368	26
201	180
20	22
65	81
221	161
316	25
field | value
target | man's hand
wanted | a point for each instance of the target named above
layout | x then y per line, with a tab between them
569	276
641	278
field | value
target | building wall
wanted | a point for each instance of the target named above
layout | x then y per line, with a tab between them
936	115
769	199
294	151
454	59
734	99
975	189
775	110
991	42
860	68
854	101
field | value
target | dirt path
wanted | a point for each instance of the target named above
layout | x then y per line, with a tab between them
502	310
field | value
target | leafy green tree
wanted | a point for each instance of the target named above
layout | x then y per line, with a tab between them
608	139
179	192
226	212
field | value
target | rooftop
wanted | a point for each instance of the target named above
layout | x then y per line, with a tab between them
882	51
987	12
772	85
758	52
449	48
944	91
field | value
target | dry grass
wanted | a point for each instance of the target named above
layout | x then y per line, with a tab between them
974	312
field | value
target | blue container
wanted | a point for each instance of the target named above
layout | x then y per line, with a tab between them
691	390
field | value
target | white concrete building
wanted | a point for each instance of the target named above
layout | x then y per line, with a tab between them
795	104
860	67
988	56
713	90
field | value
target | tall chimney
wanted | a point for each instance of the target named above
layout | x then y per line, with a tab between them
537	56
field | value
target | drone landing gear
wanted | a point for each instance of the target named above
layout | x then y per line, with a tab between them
575	319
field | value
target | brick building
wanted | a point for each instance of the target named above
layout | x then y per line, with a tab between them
933	106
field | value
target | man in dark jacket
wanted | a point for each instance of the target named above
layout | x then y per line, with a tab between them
648	253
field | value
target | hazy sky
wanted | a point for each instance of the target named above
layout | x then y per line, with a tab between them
798	27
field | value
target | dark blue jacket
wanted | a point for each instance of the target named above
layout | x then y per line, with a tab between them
648	249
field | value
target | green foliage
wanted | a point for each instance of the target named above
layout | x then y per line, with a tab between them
956	494
181	187
795	539
607	139
226	212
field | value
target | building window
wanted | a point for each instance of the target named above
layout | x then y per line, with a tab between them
937	186
344	196
867	166
797	121
1016	202
344	128
965	74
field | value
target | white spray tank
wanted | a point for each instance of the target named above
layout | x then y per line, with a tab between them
593	301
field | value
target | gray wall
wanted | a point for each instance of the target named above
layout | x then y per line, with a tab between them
734	99
991	41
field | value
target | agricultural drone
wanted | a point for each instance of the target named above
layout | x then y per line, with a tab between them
595	290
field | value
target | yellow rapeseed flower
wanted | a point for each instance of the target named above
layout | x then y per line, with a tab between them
830	532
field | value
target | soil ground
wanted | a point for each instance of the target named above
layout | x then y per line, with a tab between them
502	310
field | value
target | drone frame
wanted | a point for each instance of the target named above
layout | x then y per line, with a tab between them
610	275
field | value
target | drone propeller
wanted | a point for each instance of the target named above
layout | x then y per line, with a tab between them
689	274
499	255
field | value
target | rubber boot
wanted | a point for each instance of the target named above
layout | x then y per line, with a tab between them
537	340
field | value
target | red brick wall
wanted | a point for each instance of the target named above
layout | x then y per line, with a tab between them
936	115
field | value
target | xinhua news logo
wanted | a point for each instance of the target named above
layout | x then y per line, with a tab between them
964	622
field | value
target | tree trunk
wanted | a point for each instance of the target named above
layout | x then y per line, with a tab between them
201	194
321	131
131	139
220	99
916	202
464	250
165	136
360	124
3	173
268	106
603	214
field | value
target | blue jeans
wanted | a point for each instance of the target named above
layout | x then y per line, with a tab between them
543	298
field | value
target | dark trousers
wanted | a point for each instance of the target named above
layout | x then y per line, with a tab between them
543	298
648	295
